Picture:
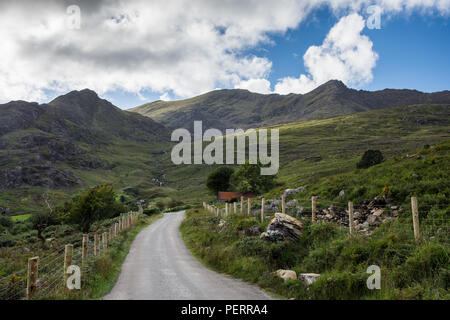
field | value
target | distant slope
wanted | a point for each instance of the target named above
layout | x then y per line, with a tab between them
74	141
313	149
243	109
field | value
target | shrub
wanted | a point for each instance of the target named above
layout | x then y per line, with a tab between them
6	221
370	158
151	211
94	204
219	179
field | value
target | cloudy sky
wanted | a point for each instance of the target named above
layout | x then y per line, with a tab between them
136	51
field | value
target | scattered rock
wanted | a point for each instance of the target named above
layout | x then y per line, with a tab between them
341	193
377	212
286	226
308	278
292	203
286	274
289	192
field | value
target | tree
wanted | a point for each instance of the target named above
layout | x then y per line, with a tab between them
219	179
248	178
40	221
94	204
370	158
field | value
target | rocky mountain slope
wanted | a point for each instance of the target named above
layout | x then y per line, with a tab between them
57	145
243	109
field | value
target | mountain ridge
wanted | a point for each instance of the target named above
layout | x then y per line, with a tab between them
232	108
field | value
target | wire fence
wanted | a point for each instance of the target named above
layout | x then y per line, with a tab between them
51	277
368	216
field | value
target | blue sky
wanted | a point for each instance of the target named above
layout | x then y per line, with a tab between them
146	50
413	49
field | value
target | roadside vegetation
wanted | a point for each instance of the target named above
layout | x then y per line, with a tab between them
409	270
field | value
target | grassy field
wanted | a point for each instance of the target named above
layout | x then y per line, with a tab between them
409	270
21	217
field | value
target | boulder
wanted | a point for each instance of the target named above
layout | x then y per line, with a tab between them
308	278
373	220
286	274
285	226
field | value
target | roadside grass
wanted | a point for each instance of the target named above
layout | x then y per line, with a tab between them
103	271
408	271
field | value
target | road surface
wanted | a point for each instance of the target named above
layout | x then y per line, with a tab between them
159	267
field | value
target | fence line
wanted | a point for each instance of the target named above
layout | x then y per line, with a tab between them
44	276
421	229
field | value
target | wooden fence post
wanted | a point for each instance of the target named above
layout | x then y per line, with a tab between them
105	240
111	233
68	254
249	207
235	207
120	224
242	204
415	216
116	230
96	243
84	247
32	276
283	204
226	209
313	208
350	217
262	209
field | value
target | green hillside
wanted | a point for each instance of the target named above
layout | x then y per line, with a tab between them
312	149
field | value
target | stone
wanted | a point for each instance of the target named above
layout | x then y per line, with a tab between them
272	235
289	192
222	223
373	220
286	226
341	193
286	274
378	212
308	278
291	203
299	209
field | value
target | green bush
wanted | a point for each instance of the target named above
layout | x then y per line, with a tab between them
151	211
370	158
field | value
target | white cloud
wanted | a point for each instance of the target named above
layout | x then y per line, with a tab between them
165	97
255	85
185	47
345	54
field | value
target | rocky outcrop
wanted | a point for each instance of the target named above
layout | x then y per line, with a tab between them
283	227
286	274
290	192
252	231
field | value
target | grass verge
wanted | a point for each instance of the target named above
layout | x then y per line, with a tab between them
408	270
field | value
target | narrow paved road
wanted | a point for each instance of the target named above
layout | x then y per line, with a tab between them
159	266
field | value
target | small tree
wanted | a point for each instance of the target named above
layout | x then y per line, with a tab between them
370	158
94	204
219	179
248	178
40	221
